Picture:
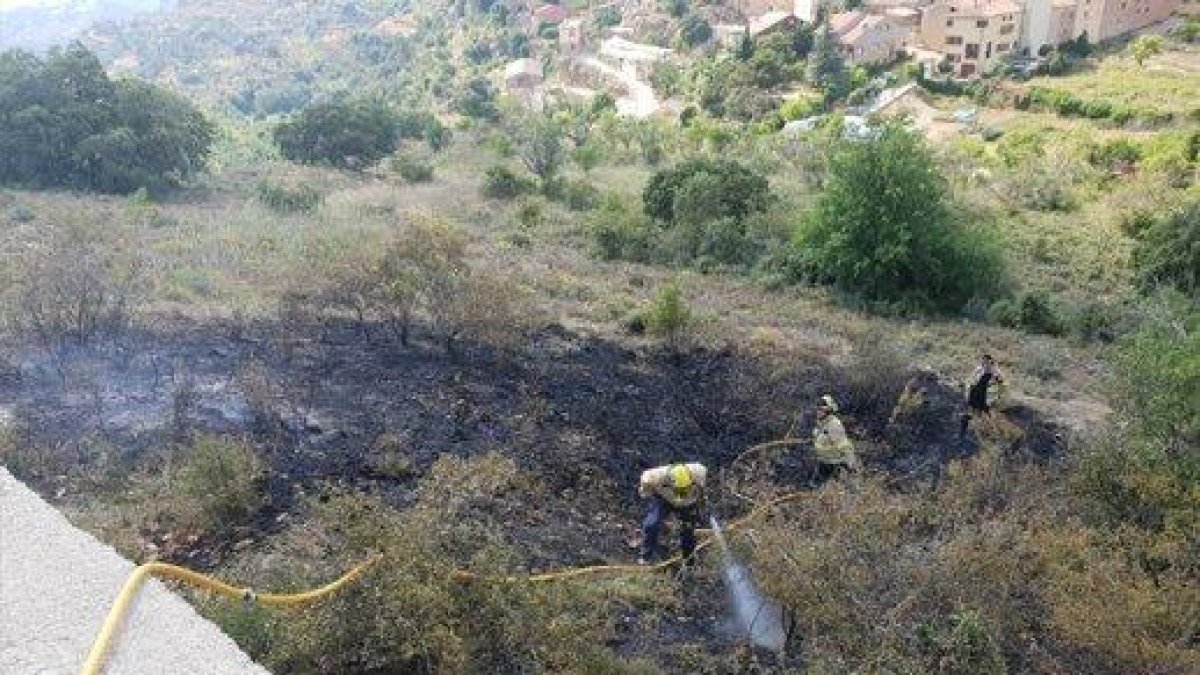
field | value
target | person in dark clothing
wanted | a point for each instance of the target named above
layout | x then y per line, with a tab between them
983	391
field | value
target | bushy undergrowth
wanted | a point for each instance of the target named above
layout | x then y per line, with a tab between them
1068	105
989	574
286	199
72	280
1168	250
421	278
412	169
217	483
410	615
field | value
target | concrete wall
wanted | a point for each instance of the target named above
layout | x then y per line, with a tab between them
1106	19
974	36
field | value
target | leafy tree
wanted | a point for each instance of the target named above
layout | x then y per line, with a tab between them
477	99
732	190
694	30
802	39
64	123
884	228
538	141
347	135
608	16
1168	251
1144	47
745	48
826	70
1080	47
676	8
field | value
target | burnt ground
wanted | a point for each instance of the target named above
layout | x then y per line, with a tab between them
582	414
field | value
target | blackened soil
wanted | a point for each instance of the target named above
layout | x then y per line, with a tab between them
581	414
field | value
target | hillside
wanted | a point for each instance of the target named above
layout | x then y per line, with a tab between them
387	305
39	24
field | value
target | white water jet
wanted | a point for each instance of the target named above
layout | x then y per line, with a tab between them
760	619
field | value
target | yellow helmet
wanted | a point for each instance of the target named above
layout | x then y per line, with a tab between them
681	478
827	403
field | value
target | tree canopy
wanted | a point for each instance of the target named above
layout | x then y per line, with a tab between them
347	135
885	229
64	123
731	190
826	69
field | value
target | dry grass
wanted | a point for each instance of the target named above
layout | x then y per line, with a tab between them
1168	82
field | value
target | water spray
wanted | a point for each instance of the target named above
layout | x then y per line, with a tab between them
759	618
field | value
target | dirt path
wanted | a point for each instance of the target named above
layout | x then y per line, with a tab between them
641	101
56	585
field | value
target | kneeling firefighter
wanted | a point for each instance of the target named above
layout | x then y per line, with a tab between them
678	489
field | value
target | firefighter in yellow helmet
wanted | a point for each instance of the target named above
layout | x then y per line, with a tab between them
834	451
678	489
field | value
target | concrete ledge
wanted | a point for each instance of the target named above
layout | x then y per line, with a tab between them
56	586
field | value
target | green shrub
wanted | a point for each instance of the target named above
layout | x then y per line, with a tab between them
410	615
1167	253
577	195
1159	383
1094	320
1114	153
218	483
621	232
20	213
1173	156
350	135
607	16
412	169
903	244
283	199
800	108
1040	188
1031	311
705	189
668	316
1097	110
501	182
1057	64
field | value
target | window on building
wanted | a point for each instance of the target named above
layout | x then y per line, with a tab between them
949	22
1002	47
1007	28
954	39
971	51
982	23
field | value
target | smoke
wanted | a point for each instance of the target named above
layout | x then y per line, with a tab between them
758	617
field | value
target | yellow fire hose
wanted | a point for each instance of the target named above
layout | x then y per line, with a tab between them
94	665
